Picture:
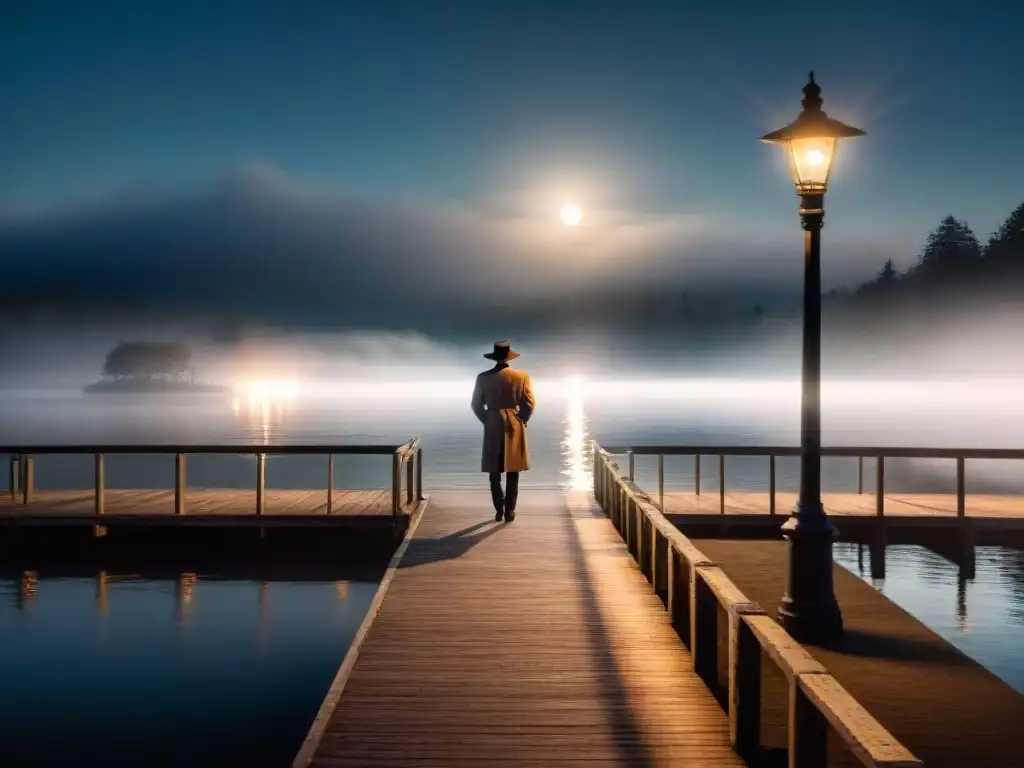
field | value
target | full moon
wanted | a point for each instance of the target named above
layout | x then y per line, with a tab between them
571	214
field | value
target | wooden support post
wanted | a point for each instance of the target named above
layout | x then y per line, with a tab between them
13	484
630	533
860	474
632	465
880	486
261	482
645	540
180	483
410	476
721	483
808	730
419	474
961	491
396	484
703	629
696	474
100	482
678	594
661	566
744	688
28	478
771	484
661	482
330	482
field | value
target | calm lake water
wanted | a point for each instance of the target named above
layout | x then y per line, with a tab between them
217	672
238	673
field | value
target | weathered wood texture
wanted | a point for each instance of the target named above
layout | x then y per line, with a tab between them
532	643
896	504
199	503
942	705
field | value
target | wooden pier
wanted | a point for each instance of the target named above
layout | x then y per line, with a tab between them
921	692
531	643
183	506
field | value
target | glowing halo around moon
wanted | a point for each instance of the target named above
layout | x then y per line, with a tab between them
571	214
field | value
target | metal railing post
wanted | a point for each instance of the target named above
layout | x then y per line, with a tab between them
28	478
100	482
410	476
419	474
721	483
261	482
880	486
15	476
961	491
180	483
330	482
661	482
396	483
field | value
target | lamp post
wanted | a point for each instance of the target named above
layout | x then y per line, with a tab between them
809	610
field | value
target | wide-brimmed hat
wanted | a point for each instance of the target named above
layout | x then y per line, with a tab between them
502	352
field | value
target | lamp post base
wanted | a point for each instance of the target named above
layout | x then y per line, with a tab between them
809	611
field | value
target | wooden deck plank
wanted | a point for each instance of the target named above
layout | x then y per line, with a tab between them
536	642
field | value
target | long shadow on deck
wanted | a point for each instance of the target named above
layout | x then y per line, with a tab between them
878	646
454	545
613	690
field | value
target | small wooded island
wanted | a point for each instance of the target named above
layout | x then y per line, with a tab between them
150	367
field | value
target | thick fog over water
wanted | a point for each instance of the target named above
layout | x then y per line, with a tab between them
386	387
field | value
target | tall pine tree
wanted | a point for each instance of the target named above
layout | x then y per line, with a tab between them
951	254
1005	251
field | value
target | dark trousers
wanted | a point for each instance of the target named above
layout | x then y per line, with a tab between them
506	500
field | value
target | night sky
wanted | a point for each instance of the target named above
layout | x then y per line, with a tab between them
461	128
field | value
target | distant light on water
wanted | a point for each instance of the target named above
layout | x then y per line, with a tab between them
577	461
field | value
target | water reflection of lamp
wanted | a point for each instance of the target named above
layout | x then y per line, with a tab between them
576	458
342	587
262	404
101	592
261	598
28	586
183	594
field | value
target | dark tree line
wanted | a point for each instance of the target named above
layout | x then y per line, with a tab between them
147	360
952	267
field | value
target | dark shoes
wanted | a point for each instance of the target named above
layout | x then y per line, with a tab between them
506	514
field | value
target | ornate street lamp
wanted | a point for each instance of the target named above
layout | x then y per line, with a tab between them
809	610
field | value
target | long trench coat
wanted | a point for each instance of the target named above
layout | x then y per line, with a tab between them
503	401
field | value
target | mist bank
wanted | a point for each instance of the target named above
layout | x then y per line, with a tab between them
957	349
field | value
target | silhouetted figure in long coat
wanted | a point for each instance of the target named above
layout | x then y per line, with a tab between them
503	402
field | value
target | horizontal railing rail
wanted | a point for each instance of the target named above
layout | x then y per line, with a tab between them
879	454
853	451
693	588
407	455
244	449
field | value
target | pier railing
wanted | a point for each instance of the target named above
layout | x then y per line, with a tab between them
406	460
959	455
694	589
